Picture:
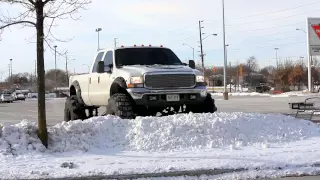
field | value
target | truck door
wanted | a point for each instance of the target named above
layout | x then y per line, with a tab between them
93	81
106	78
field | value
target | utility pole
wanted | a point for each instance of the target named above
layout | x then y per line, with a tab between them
201	49
55	67
115	42
225	93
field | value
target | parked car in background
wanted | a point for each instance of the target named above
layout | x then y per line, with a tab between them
6	98
20	97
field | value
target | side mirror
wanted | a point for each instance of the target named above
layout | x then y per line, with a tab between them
192	64
185	64
100	68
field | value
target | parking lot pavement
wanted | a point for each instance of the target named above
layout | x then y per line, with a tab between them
13	113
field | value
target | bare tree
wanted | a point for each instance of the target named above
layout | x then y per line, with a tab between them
41	14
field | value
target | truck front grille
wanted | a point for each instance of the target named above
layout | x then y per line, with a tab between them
164	81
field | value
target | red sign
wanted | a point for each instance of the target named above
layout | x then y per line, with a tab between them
316	29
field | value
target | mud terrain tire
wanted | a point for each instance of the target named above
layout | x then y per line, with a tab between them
73	110
120	105
207	106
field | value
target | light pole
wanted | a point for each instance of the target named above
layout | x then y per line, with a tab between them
301	30
301	59
98	31
115	42
87	66
11	79
67	73
309	59
277	63
209	35
184	44
1	74
225	93
55	66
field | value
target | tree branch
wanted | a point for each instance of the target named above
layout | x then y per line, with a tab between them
18	22
32	2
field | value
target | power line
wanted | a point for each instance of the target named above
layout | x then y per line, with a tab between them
273	27
299	42
271	19
272	12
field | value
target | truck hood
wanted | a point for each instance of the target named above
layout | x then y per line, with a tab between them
141	69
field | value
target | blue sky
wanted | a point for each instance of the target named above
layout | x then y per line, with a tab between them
253	28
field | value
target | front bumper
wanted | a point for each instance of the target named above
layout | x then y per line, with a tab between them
6	100
141	96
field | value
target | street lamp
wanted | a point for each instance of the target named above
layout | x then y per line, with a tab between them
184	44
301	30
225	93
98	30
115	42
11	79
87	66
67	73
209	35
55	66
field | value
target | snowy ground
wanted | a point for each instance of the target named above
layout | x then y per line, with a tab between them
268	145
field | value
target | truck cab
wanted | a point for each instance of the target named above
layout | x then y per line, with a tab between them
148	79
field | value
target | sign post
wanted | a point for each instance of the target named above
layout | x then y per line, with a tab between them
313	45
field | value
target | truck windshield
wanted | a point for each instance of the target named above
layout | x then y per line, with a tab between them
146	56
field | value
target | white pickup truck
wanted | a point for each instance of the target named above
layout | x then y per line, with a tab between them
138	81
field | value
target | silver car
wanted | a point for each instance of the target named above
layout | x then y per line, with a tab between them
6	98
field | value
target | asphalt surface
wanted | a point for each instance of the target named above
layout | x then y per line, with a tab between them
13	113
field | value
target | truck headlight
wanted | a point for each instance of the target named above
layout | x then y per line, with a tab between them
200	79
135	81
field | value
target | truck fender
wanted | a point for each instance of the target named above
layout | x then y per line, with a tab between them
119	85
76	90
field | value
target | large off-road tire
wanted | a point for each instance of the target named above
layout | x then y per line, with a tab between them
207	106
121	105
74	110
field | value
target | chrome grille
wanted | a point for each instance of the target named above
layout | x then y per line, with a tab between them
162	81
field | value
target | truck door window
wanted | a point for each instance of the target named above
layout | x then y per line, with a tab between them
98	58
108	59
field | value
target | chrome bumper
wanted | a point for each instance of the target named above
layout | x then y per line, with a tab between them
138	93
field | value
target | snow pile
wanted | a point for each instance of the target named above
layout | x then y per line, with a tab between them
286	94
241	94
217	130
183	131
294	93
19	138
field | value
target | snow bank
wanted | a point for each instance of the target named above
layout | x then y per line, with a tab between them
183	131
242	94
286	94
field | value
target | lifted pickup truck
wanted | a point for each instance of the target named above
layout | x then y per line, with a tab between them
138	81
